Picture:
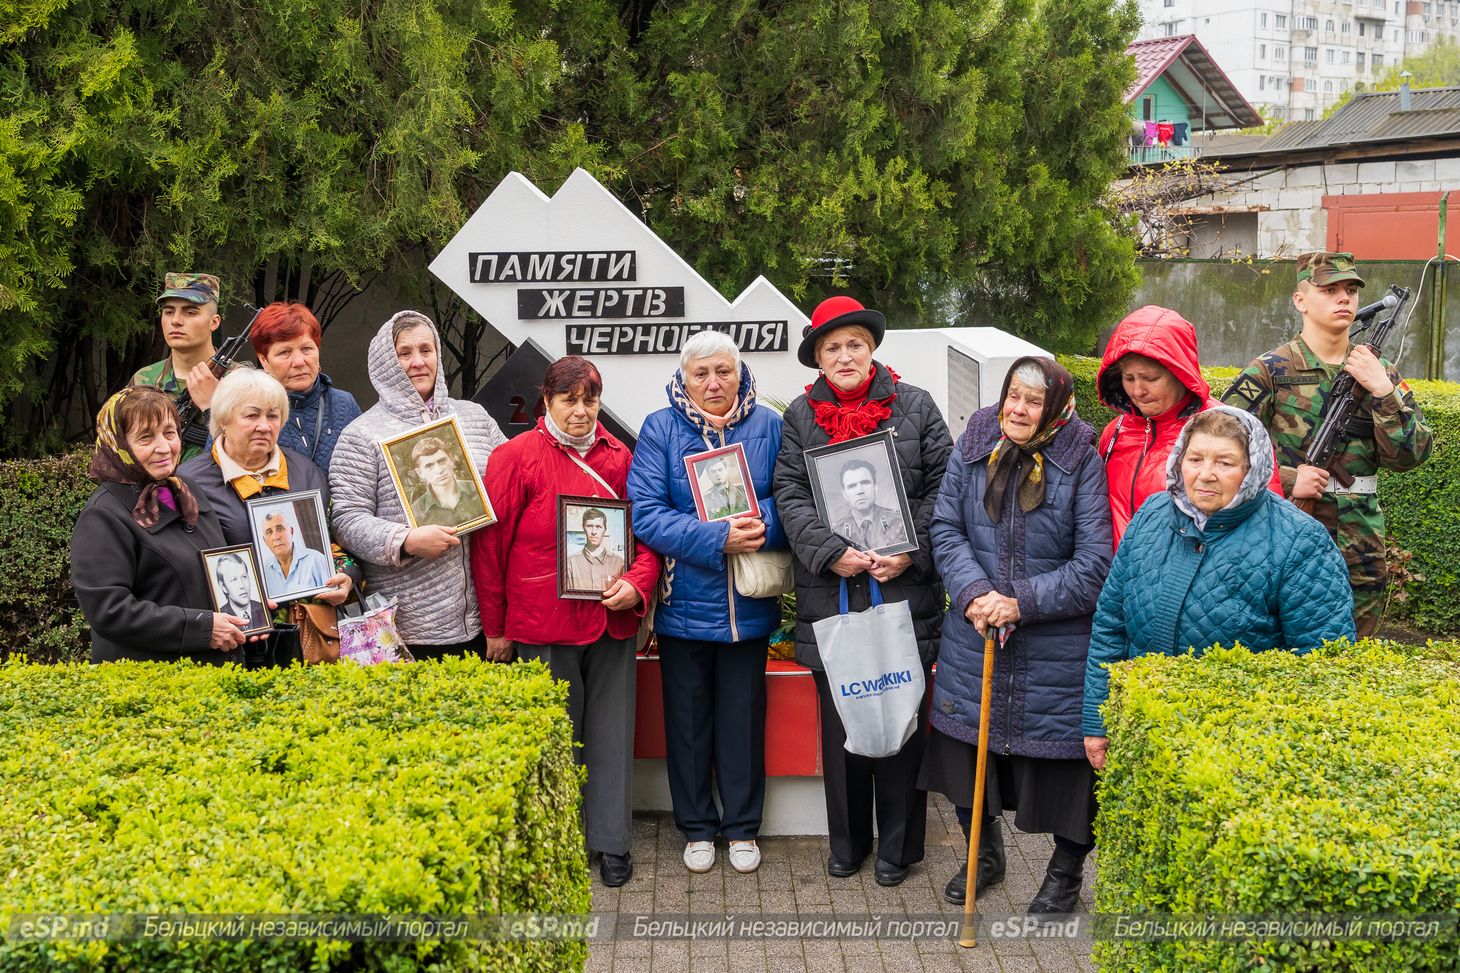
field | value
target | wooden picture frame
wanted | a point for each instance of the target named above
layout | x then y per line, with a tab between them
581	575
221	565
292	522
433	459
733	495
858	490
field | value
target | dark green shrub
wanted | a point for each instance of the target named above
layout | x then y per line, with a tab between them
1422	510
1421	507
39	502
1271	783
435	788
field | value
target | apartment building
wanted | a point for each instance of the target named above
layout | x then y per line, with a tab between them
1294	59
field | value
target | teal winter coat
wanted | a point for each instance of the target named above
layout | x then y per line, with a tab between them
1260	572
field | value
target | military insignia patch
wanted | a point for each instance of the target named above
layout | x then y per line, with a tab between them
1247	389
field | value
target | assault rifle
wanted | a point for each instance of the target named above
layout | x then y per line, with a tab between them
193	432
1333	432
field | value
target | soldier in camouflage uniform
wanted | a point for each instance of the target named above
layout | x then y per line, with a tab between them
189	310
1288	388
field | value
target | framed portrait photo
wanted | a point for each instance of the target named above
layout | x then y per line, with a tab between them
435	478
595	545
292	540
721	484
233	581
859	494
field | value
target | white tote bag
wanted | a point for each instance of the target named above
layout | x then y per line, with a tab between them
876	676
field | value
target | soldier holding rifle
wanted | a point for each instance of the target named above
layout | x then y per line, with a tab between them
189	311
1290	389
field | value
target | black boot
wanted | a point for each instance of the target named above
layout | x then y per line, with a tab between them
1060	892
990	864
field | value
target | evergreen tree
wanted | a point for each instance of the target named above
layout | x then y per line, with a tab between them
885	147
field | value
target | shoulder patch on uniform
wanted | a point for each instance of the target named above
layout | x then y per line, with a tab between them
1248	389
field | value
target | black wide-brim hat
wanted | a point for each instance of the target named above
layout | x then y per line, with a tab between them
833	313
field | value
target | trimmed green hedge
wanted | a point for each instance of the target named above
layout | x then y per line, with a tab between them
39	502
1422	510
1422	507
1272	783
433	788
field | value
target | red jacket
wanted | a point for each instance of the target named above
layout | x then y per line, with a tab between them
514	562
1136	448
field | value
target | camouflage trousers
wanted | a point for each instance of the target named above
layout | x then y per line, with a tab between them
1358	529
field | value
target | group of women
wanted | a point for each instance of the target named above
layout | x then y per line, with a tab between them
1162	536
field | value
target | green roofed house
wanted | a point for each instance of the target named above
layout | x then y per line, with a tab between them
1180	91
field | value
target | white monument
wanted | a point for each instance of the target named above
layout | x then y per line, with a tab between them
579	274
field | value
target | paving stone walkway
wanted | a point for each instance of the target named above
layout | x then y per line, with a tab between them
792	880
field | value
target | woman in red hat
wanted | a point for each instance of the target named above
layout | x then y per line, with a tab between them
856	396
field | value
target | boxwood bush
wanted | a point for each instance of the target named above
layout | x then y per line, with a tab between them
39	502
1272	783
434	788
1421	507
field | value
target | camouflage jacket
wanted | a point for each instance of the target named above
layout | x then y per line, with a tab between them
1287	389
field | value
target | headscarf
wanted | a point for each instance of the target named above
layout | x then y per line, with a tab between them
112	462
1026	463
1260	462
704	423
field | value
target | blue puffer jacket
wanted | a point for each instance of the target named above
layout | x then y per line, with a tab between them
697	596
339	410
1051	560
1260	572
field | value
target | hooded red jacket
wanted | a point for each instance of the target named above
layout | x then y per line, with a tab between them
1135	447
514	562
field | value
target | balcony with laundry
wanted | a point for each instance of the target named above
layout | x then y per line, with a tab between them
1179	99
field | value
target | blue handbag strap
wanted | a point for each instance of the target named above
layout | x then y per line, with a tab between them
876	593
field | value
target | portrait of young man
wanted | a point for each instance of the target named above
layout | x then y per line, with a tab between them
446	498
235	589
595	567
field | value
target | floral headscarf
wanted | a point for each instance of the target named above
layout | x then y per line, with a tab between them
1026	462
112	462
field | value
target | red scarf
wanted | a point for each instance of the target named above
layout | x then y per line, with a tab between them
845	420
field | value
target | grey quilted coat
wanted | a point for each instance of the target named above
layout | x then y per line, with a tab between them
1052	561
437	604
1260	572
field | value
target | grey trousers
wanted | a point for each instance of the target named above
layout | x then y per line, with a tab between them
601	680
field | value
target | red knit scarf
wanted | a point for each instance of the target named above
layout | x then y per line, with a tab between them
842	420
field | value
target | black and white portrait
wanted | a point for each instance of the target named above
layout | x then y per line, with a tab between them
860	494
233	580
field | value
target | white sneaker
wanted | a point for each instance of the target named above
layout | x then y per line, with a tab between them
699	856
744	856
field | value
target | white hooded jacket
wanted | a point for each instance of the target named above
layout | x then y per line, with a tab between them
436	603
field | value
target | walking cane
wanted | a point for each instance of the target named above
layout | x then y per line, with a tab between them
967	938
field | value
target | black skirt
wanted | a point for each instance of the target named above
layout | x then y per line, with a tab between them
1047	796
